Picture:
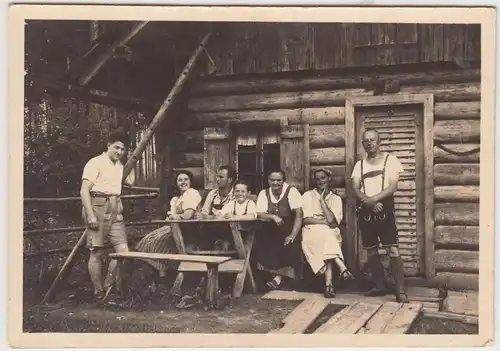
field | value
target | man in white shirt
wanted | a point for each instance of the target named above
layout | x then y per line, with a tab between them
214	202
102	209
374	180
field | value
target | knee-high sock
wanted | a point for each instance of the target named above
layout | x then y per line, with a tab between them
398	272
377	270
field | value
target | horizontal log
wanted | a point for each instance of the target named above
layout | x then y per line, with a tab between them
456	193
327	156
463	131
273	101
198	175
457	110
152	195
188	141
338	175
448	92
457	261
322	136
458	281
456	174
458	213
49	231
443	156
312	116
455	237
190	159
328	81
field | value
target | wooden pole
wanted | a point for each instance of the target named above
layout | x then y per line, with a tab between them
67	265
160	115
92	72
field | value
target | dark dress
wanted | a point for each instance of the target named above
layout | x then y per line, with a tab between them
270	252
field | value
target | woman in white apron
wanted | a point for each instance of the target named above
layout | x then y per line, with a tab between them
321	239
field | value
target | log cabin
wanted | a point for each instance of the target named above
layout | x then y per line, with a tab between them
299	95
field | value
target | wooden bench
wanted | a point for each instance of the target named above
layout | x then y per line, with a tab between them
212	263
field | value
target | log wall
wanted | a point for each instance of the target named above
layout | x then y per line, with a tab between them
456	141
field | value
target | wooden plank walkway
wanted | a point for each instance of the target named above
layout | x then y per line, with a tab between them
361	315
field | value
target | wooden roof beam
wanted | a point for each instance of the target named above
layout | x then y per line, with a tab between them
162	112
106	55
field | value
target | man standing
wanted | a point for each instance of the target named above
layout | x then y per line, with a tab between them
103	210
374	180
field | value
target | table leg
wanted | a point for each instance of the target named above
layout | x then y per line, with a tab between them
212	285
181	248
244	250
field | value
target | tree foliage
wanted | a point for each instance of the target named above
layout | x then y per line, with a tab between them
60	134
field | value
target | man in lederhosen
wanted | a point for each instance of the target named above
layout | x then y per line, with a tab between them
214	202
102	209
375	179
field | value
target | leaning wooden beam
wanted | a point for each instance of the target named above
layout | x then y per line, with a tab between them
158	118
162	112
66	266
92	71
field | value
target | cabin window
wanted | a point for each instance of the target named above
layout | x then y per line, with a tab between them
256	153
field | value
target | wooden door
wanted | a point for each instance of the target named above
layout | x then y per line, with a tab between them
400	129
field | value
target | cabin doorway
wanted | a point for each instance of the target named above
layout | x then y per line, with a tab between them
402	134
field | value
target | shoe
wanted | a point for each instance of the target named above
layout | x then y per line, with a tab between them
99	295
402	298
329	292
273	284
377	292
346	275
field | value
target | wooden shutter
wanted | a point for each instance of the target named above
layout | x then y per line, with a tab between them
217	152
294	152
399	133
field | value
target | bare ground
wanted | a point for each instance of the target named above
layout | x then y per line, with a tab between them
249	314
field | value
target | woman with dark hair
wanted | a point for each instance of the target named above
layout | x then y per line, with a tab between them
278	247
182	206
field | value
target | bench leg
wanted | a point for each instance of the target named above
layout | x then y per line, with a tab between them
212	285
176	288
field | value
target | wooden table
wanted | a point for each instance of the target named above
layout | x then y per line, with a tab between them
212	263
239	265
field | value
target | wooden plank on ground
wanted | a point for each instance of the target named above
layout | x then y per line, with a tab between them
381	319
350	319
303	316
403	319
422	294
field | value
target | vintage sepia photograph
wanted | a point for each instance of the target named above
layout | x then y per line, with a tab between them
245	176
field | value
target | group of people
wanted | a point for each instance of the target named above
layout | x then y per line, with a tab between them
292	226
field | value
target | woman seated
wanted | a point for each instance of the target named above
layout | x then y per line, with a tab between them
321	240
182	206
277	249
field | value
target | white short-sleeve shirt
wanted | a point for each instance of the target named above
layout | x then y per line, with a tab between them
312	207
248	207
294	198
190	199
373	183
105	175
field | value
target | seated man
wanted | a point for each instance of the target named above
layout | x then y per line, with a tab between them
215	201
